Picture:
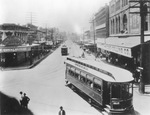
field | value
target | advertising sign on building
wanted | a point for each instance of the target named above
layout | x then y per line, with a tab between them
134	20
116	49
134	23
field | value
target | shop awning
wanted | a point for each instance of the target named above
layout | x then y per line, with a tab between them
122	45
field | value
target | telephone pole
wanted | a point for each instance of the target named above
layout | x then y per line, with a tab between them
143	12
94	36
93	21
31	17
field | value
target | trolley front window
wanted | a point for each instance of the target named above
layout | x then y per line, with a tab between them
122	91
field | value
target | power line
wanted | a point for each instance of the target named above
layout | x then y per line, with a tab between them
31	17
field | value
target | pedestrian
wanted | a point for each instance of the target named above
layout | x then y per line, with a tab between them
25	100
61	112
21	100
83	56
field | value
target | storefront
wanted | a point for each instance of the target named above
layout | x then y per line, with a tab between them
13	56
125	52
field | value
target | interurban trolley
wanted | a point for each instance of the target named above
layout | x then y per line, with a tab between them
64	50
108	86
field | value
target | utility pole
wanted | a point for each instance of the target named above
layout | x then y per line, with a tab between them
142	85
31	17
143	12
93	24
83	36
94	36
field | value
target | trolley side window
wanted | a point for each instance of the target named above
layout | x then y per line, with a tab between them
83	77
71	72
97	85
90	81
67	69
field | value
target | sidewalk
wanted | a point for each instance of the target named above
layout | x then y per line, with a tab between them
141	102
26	65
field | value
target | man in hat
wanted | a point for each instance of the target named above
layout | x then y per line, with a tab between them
26	100
62	112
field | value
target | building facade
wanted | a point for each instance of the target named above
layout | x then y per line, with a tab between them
14	47
122	47
14	30
101	22
122	20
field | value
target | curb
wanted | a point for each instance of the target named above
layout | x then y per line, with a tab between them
27	67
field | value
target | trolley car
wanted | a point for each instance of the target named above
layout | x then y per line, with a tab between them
108	86
64	50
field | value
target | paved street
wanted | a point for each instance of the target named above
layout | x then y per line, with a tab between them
45	85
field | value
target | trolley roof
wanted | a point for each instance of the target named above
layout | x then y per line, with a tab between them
64	46
103	70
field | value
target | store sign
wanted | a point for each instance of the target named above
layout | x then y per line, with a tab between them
116	49
15	49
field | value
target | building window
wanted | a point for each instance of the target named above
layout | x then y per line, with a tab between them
124	3
113	26
116	25
146	18
117	5
125	23
119	24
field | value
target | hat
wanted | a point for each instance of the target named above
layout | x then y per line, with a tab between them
61	107
21	92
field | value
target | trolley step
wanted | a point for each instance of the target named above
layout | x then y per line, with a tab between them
107	110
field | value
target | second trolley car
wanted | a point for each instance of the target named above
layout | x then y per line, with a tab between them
64	50
108	86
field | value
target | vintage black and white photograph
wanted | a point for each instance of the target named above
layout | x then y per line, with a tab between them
74	57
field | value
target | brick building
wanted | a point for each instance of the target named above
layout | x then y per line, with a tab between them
122	47
102	22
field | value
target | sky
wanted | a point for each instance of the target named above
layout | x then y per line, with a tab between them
67	15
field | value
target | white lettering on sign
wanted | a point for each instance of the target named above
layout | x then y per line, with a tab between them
116	49
15	49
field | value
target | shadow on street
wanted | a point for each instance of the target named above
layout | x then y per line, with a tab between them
11	106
